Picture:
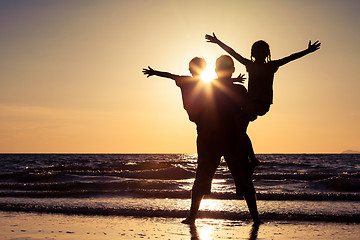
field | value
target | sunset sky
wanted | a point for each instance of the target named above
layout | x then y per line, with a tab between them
71	80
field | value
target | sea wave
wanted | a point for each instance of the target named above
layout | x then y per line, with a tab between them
180	194
172	173
164	172
343	183
303	177
86	210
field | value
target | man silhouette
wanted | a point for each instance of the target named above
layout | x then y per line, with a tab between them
217	137
215	108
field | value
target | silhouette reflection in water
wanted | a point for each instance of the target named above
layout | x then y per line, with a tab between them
210	230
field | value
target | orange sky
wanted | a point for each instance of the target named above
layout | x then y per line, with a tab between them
71	80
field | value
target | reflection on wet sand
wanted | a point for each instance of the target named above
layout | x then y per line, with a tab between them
210	230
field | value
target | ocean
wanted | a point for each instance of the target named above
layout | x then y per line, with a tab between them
309	187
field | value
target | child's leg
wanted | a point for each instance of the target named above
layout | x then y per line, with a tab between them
243	138
249	148
250	152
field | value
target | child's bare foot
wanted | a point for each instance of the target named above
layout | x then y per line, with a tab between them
188	220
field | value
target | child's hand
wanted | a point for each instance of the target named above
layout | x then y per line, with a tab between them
313	47
212	39
149	72
241	78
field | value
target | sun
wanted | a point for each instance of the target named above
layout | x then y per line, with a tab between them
208	75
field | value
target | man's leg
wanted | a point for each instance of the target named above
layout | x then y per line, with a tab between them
208	161
240	170
250	199
195	204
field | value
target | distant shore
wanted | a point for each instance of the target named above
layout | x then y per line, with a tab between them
350	152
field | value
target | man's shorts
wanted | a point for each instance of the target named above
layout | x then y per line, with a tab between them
210	150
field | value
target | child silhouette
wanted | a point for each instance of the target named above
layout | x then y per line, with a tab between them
261	71
191	86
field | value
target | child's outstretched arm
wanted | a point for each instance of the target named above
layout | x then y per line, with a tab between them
311	48
151	72
214	39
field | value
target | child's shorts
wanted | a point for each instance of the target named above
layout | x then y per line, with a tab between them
254	108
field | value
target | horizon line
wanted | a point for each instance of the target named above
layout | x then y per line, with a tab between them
343	152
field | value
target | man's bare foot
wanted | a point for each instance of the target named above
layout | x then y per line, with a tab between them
257	222
190	221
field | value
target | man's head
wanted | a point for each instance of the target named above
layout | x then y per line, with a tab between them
224	66
196	66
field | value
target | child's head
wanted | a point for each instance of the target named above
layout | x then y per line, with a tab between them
196	66
260	50
224	66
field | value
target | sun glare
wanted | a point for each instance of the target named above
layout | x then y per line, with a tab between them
208	76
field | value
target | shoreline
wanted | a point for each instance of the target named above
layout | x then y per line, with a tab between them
20	225
320	211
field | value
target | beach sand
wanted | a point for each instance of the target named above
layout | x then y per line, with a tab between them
21	226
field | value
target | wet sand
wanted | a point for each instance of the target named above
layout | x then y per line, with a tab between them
21	226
